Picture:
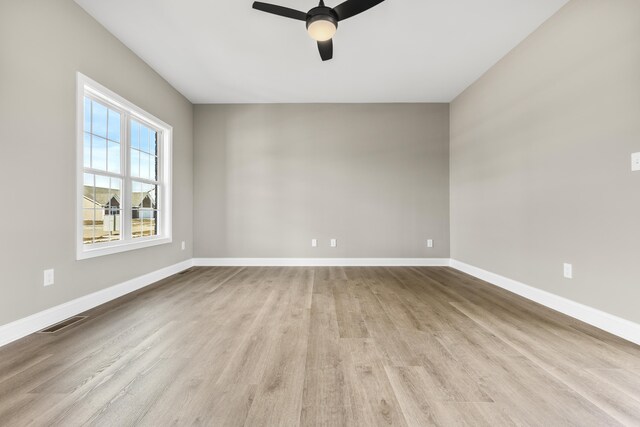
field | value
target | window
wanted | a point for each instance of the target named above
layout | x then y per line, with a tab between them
124	169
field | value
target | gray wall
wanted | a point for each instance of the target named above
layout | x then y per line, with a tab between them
540	159
269	178
42	45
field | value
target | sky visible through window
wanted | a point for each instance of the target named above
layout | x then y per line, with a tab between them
102	151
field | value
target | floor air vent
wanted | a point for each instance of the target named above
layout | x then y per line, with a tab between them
65	323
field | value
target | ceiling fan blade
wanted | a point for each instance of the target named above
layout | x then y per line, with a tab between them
326	49
353	7
280	10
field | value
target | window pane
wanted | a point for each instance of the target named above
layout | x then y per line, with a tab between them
135	134
146	223
101	182
87	225
87	114
102	219
99	119
89	183
145	165
136	197
146	228
144	138
151	195
144	209
88	208
154	223
86	150
135	163
114	157
136	223
114	126
98	153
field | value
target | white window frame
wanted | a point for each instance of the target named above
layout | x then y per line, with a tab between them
87	86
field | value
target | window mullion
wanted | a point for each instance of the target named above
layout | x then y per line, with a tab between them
103	173
146	181
126	167
160	221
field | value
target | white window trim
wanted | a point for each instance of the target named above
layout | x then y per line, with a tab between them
85	84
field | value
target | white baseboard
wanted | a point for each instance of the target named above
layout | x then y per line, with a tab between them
36	322
600	319
321	262
605	321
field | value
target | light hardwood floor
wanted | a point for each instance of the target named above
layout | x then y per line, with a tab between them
321	346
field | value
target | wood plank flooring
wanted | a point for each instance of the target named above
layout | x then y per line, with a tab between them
289	346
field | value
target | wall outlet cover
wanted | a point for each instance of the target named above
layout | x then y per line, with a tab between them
334	243
635	162
568	271
314	243
48	277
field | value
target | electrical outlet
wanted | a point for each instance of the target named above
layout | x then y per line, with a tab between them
184	245
314	243
334	243
568	271
48	277
430	243
635	162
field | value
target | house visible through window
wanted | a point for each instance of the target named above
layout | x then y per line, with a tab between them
144	169
125	168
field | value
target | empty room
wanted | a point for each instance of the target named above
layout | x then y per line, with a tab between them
299	213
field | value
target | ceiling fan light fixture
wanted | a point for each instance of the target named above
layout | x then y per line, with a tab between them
322	21
322	28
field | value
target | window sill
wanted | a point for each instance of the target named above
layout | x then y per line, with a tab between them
114	248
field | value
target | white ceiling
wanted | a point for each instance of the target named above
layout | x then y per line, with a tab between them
216	51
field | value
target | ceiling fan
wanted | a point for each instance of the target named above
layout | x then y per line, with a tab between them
322	21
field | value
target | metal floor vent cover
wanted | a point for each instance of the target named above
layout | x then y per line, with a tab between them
65	323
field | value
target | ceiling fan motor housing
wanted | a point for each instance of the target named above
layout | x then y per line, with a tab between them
322	13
